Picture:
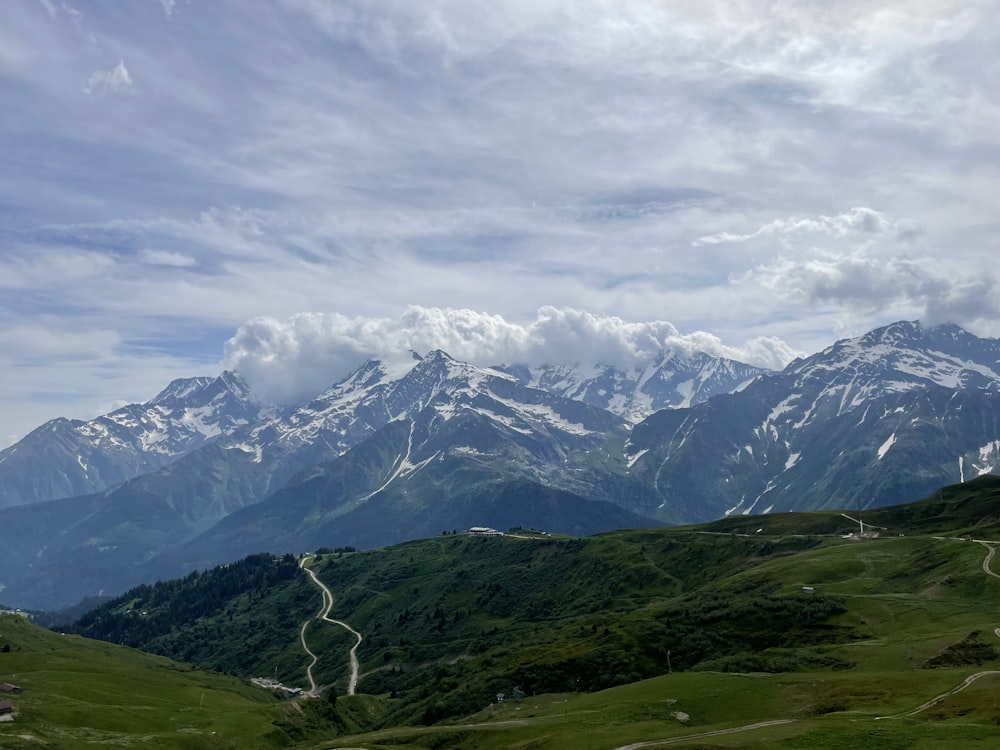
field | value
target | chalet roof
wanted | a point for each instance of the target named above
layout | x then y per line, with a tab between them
6	706
8	688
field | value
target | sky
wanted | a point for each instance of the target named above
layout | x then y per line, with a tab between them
287	188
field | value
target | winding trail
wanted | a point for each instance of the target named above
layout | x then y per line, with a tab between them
989	557
713	733
324	614
938	698
973	677
328	604
990	545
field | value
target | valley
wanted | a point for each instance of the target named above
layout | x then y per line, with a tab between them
796	601
786	631
519	375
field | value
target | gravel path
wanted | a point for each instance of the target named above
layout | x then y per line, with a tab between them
352	684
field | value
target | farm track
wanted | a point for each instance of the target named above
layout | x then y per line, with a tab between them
973	677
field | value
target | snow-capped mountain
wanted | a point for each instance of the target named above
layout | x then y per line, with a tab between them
886	417
403	449
674	379
473	447
378	393
65	457
441	429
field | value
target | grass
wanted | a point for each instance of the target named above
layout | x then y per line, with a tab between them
909	600
78	693
586	627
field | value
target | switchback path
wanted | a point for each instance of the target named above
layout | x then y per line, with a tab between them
324	614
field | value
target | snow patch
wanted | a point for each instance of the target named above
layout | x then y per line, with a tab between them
637	456
782	408
884	448
686	391
989	457
770	486
254	450
736	507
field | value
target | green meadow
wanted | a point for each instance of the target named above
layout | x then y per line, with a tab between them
773	632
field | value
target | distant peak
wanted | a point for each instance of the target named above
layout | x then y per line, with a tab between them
915	331
899	329
438	355
232	379
181	388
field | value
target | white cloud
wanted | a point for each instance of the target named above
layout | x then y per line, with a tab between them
930	288
117	80
168	7
859	222
291	359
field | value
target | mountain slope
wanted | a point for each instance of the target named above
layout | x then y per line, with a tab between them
449	622
463	433
871	421
495	453
63	458
672	380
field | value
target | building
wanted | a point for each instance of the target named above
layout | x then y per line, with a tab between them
484	531
8	688
6	707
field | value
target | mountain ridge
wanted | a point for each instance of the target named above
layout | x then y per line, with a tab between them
63	457
397	448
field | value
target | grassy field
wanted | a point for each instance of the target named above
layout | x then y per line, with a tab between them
589	629
911	601
81	693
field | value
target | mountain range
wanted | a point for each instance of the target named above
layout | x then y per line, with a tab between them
204	473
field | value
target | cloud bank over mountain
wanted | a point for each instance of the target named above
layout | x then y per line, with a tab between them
294	358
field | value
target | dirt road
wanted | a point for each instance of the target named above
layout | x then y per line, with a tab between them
324	614
714	733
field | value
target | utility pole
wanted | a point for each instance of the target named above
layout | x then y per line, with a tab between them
670	669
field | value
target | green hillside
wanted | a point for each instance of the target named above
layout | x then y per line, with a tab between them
623	637
78	693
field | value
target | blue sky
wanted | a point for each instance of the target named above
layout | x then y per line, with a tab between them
289	187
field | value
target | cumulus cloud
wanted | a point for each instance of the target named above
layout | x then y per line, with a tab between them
117	80
858	221
929	286
287	360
